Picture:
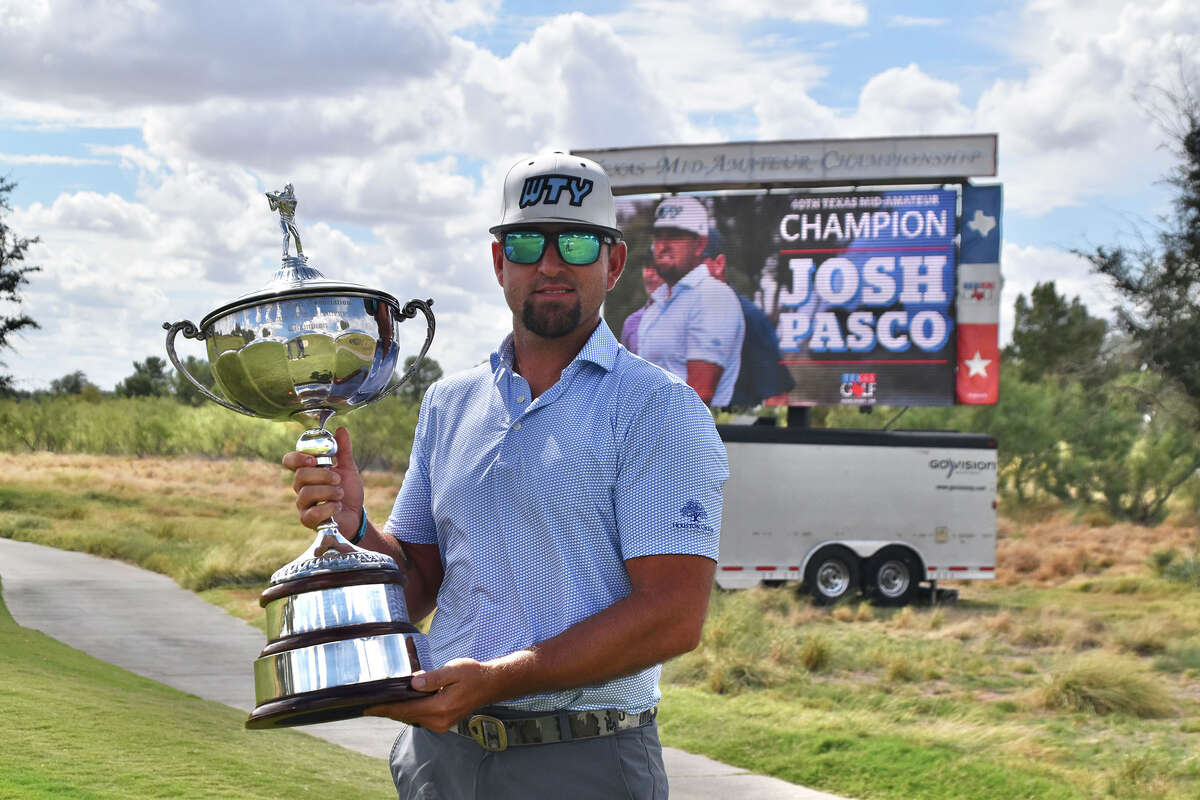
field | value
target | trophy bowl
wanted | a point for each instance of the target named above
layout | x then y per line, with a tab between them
304	348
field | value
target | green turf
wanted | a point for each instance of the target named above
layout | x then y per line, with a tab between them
75	727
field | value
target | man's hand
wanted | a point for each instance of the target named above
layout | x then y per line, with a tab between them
459	688
322	493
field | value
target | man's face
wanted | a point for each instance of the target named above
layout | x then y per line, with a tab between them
676	253
551	299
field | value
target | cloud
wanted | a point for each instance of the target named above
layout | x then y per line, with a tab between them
42	159
917	22
906	101
1073	126
711	61
1076	125
138	52
848	13
1026	266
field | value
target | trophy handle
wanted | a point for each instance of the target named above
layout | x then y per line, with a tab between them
410	311
188	329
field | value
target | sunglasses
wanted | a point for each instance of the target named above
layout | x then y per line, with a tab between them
578	248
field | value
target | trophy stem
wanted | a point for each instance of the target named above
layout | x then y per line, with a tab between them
320	443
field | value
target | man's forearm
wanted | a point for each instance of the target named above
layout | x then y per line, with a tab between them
658	620
703	376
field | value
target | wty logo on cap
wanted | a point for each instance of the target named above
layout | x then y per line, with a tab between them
548	188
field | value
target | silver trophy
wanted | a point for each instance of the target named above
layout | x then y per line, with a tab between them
305	348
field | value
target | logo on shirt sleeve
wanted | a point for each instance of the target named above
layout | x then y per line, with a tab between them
695	515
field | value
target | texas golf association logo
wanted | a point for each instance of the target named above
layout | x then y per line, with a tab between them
858	388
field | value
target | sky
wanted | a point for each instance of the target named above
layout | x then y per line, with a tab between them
142	135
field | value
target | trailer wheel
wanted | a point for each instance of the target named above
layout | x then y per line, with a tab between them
831	575
893	574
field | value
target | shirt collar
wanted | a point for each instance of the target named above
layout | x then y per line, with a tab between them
692	279
600	349
696	275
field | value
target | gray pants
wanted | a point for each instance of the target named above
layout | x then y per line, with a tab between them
446	766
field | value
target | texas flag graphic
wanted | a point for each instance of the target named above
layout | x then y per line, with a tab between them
978	301
978	381
978	364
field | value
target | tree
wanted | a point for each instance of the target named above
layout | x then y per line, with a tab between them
71	383
149	379
414	388
13	249
1159	283
184	391
1053	336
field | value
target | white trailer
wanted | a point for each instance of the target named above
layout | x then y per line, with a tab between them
849	510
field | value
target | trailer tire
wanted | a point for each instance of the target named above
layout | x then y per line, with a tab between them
893	576
832	575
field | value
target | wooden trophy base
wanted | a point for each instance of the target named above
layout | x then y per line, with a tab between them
332	704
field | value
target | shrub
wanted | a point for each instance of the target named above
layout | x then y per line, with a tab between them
1161	559
1101	683
1023	557
1145	638
1184	570
901	669
815	653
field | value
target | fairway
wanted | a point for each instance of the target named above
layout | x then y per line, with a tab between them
75	727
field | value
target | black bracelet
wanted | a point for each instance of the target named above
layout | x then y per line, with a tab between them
362	529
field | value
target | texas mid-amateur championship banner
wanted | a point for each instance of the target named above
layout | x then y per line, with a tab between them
827	298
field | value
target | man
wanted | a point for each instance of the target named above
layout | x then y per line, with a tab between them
561	509
694	327
629	330
761	375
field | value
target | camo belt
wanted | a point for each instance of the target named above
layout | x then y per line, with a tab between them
496	734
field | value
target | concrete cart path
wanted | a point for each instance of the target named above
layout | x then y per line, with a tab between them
145	623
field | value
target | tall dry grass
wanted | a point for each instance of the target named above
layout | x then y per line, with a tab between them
1103	683
206	523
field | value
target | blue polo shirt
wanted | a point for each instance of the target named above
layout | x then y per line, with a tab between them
698	319
535	505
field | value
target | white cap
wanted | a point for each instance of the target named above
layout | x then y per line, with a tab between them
684	213
557	188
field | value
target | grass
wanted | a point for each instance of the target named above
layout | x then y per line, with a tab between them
1014	692
75	727
1105	684
1075	674
205	523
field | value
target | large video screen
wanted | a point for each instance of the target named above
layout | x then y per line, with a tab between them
804	298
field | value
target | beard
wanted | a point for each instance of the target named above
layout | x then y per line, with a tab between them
672	273
549	322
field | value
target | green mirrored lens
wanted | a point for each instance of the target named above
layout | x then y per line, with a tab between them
579	248
524	247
